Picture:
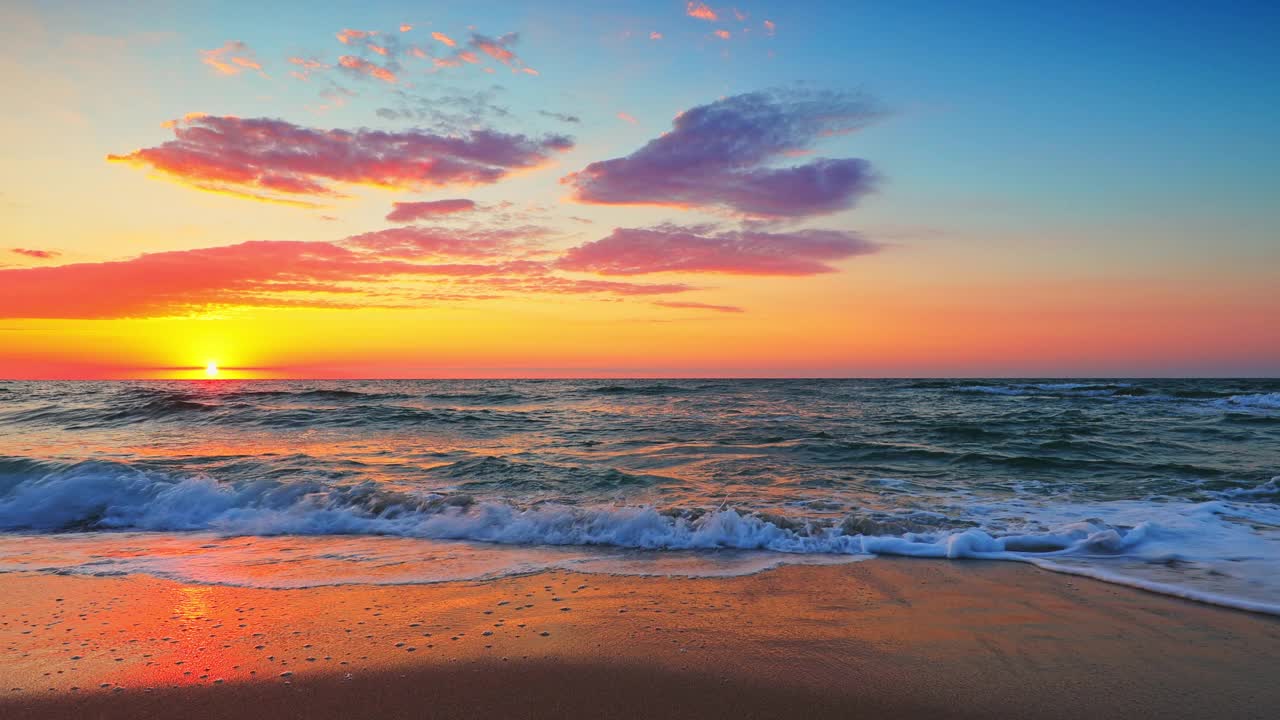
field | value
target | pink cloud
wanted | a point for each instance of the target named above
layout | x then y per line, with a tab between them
700	11
722	34
268	159
37	254
444	39
233	58
627	118
403	212
371	270
770	27
655	35
703	249
364	67
717	156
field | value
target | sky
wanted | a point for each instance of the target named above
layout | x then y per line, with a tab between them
572	189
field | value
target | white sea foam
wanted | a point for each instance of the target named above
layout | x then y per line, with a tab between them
1235	537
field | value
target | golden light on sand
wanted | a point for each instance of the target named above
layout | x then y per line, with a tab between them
211	370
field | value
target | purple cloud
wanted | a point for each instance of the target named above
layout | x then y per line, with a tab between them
268	159
702	248
716	156
404	212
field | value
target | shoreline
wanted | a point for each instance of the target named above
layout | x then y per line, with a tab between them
891	637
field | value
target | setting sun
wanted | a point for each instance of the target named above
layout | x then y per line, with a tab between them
211	370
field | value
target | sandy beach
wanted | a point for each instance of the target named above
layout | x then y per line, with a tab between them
882	638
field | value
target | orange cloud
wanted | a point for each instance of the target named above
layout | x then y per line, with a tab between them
364	67
232	58
444	39
307	67
406	27
722	34
346	36
700	11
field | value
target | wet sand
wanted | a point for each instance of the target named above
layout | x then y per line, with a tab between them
887	638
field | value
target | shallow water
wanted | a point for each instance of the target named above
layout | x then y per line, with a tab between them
1169	485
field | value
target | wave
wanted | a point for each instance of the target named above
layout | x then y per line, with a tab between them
1253	402
95	495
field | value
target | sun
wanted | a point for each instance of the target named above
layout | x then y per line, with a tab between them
211	370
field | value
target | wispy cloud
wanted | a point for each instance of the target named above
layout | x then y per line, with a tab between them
306	67
707	249
233	58
360	66
404	212
351	37
686	305
37	254
562	117
499	49
717	156
268	159
382	269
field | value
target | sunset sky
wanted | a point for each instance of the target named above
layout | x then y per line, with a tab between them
417	189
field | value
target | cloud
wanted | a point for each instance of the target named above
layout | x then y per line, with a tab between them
268	159
452	109
655	35
697	306
405	27
37	254
704	249
700	11
625	117
444	39
233	58
404	212
770	27
418	242
383	269
306	66
562	117
360	66
347	36
716	157
499	49
722	34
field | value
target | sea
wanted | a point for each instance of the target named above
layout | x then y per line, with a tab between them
1171	486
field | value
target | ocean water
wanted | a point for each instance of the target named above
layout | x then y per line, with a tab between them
1172	486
